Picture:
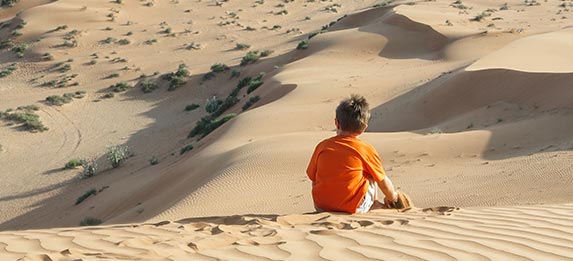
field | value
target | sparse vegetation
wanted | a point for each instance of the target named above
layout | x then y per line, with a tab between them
250	57
90	168
176	78
8	70
186	149
148	86
86	195
302	45
208	124
8	2
241	46
192	107
26	117
154	160
118	154
73	163
58	100
250	102
120	87
91	221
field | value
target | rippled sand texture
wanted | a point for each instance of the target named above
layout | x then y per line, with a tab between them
444	233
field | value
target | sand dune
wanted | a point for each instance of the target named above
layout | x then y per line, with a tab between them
471	108
445	233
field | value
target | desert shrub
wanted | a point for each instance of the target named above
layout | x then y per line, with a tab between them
124	41
480	17
154	160
29	108
90	168
255	83
108	40
19	49
209	76
192	107
250	57
90	221
302	45
219	67
235	74
266	53
8	2
113	75
120	87
58	100
118	154
148	86
29	120
8	70
208	124
86	195
186	149
5	44
73	163
241	46
250	102
213	104
176	78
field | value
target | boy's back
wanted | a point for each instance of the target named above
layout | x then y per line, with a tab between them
340	169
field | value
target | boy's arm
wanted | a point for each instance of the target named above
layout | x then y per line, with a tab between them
311	169
387	188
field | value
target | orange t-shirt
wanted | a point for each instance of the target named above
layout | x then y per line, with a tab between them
339	169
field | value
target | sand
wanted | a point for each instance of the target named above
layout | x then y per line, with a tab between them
469	111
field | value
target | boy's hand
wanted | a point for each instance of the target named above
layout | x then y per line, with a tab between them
393	202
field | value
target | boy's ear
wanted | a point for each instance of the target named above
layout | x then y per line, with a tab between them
336	123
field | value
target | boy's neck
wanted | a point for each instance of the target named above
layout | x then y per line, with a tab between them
342	133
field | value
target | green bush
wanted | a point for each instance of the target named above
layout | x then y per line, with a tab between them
8	2
118	154
241	46
302	45
5	44
250	57
154	160
186	149
120	87
213	104
208	124
86	195
219	67
192	107
250	102
90	168
29	120
72	164
255	83
148	86
266	53
90	221
58	100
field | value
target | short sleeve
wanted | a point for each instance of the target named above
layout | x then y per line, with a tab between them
373	164
311	169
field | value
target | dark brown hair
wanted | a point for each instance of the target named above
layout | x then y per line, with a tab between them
353	113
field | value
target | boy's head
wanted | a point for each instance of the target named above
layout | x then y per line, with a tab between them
352	114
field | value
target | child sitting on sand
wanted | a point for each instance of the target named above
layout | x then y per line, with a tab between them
344	169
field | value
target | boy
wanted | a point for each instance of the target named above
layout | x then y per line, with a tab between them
344	169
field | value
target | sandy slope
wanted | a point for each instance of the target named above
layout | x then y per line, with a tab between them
533	232
465	113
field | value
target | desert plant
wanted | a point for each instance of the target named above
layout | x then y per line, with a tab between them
148	86
208	124
120	87
241	46
250	102
192	107
302	45
58	100
86	195
118	154
73	163
90	168
90	221
213	104
250	57
266	53
8	2
154	160
186	149
219	67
